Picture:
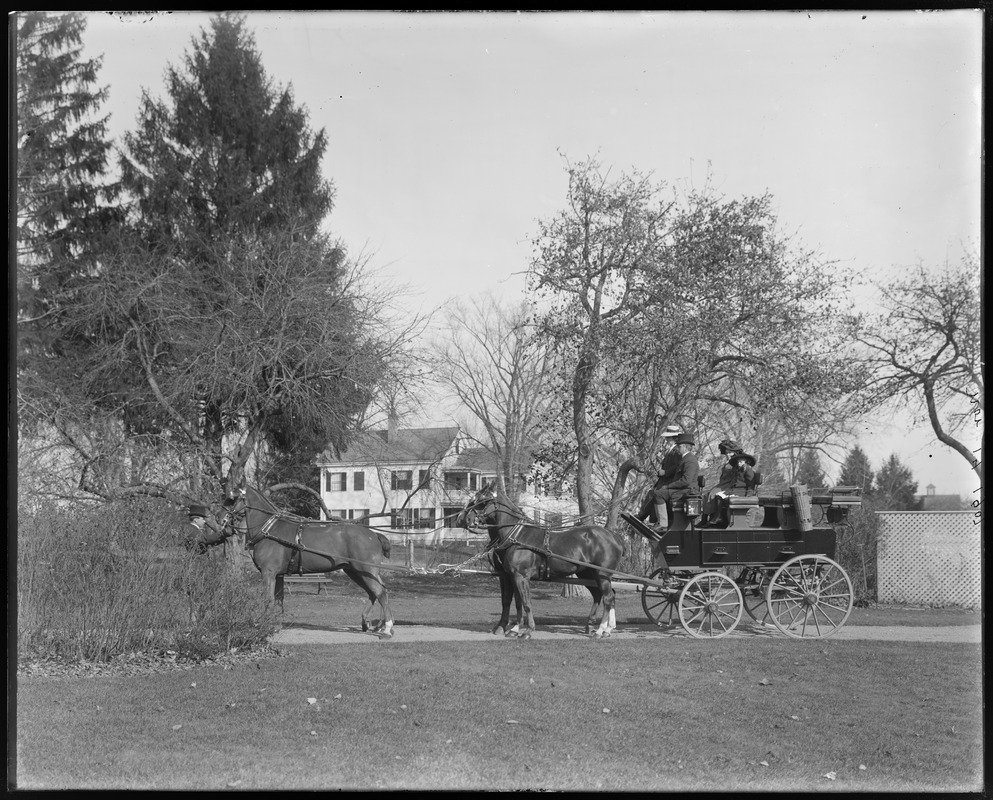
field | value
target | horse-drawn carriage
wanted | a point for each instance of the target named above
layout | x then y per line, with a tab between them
771	556
786	576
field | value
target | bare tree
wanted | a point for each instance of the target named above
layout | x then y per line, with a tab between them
694	311
925	351
488	357
170	388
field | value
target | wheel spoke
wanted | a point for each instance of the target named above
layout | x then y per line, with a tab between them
710	605
810	596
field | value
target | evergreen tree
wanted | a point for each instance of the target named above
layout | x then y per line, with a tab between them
856	471
896	489
809	470
227	153
223	327
63	199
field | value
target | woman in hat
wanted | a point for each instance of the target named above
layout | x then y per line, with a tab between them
737	477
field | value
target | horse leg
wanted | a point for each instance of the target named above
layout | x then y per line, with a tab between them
385	627
597	599
375	590
269	587
278	592
523	588
506	594
609	620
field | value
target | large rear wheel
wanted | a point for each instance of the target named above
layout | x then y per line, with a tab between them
809	597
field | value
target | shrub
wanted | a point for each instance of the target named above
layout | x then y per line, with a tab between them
858	540
96	583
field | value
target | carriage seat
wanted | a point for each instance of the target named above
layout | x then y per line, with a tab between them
734	509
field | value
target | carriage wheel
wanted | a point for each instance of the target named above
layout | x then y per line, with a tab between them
753	595
659	603
710	606
809	597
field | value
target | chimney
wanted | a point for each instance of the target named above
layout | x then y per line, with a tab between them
392	422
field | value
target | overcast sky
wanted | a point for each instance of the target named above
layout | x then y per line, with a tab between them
445	132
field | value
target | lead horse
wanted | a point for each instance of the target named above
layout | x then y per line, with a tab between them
284	544
523	552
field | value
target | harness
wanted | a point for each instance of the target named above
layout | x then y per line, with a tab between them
296	546
545	551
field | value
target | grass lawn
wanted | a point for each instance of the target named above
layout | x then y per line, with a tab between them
473	602
746	714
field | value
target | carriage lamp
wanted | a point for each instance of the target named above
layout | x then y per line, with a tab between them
694	506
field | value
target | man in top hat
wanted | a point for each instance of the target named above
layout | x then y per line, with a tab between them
198	536
668	465
682	483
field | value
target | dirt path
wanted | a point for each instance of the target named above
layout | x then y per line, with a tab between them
425	633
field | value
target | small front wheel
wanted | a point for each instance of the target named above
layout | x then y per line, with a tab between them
660	603
710	606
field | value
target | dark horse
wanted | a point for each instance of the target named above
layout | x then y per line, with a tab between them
284	544
523	552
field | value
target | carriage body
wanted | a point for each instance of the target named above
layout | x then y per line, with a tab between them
771	556
758	530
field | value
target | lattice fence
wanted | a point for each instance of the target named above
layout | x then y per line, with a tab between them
929	558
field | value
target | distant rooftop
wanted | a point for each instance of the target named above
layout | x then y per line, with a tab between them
399	446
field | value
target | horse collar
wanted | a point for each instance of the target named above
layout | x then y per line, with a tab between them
264	531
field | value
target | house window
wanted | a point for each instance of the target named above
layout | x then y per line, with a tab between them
472	481
402	517
424	518
358	481
449	514
335	481
423	479
338	514
359	515
402	480
456	480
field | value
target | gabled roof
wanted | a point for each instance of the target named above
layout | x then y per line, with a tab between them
404	446
477	458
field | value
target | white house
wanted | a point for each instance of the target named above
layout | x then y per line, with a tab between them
415	478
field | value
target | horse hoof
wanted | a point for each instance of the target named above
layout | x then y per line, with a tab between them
385	634
365	627
511	635
525	635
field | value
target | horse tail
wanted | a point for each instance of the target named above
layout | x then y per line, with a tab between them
384	542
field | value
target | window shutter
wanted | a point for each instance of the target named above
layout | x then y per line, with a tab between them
358	481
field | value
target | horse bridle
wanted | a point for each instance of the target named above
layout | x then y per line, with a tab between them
239	511
472	513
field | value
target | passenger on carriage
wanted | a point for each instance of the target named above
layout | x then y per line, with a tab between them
668	464
738	477
683	483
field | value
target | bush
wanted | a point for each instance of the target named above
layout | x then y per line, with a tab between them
94	584
858	540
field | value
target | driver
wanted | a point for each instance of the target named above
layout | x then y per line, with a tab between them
683	482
